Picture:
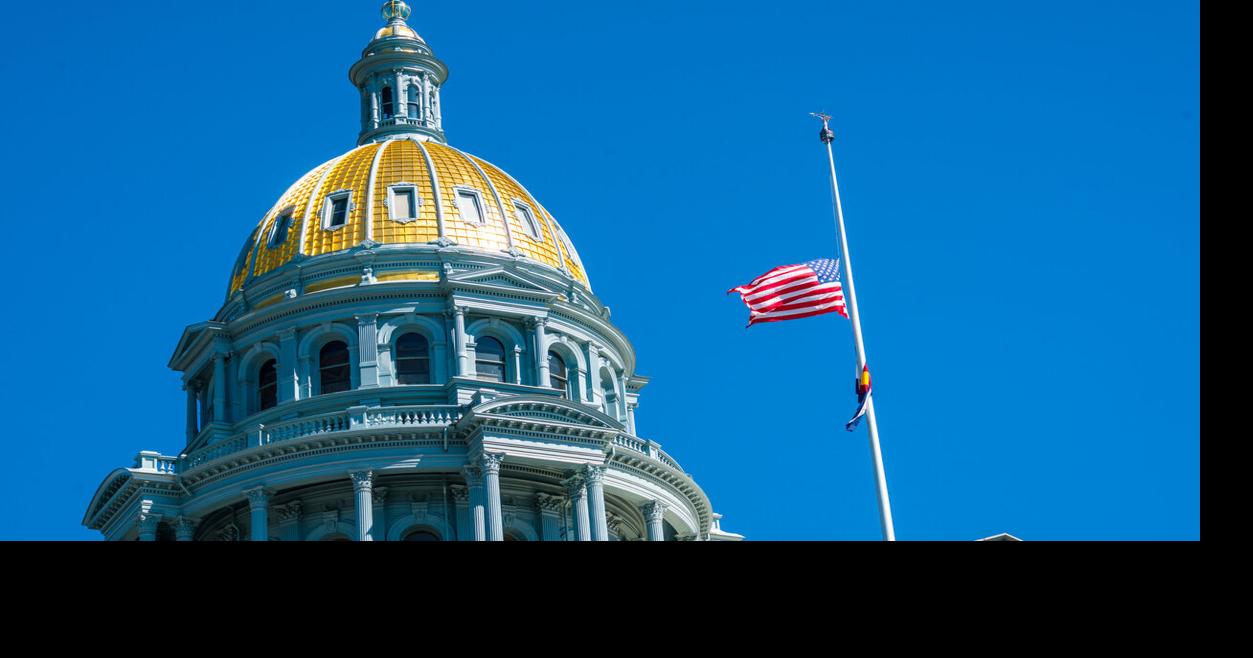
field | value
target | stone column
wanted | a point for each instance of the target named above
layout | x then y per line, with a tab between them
147	522
549	515
461	501
596	500
474	480
219	387
379	500
259	505
185	528
193	424
463	361
362	486
288	378
490	463
542	376
594	394
367	350
305	375
517	364
289	520
577	490
631	419
654	513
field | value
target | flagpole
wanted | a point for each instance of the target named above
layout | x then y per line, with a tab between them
881	483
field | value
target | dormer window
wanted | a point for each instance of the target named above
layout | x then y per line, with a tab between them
335	211
403	202
526	217
281	228
470	203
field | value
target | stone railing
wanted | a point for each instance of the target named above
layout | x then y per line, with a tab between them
212	452
352	419
155	462
302	427
411	416
646	447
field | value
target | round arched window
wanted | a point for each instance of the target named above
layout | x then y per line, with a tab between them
333	368
557	377
421	535
413	360
489	359
267	385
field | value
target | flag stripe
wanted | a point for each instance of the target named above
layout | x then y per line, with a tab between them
790	292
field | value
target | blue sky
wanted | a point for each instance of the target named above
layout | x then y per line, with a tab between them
1020	182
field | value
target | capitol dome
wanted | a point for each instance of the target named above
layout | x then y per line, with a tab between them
401	192
409	350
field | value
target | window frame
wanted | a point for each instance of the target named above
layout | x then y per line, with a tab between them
565	377
525	214
504	359
397	359
262	386
458	190
321	368
289	214
391	201
328	207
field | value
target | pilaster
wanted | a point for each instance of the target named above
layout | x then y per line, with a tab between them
367	349
478	514
259	506
289	520
461	503
549	515
379	500
288	375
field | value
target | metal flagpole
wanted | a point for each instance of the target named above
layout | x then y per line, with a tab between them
885	506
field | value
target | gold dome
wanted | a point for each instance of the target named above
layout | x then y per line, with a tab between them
368	172
396	30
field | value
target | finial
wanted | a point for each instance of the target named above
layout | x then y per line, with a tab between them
826	135
395	10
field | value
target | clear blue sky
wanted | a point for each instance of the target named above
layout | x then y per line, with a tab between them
1021	185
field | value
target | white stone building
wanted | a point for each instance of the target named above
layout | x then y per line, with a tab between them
410	349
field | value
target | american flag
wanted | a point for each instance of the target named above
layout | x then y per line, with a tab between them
789	292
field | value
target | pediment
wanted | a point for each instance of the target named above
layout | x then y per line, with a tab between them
498	277
547	409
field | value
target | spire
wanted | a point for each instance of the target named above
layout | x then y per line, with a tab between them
399	78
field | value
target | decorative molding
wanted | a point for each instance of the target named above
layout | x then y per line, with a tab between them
362	480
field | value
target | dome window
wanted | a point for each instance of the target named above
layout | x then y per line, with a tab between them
335	211
412	93
413	360
489	360
334	371
527	218
470	203
403	202
557	377
267	385
387	103
281	227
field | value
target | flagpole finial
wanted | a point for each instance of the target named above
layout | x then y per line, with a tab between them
826	134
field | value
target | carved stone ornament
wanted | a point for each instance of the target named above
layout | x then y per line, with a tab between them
655	510
379	495
491	462
362	480
549	504
288	513
258	497
576	487
594	474
460	494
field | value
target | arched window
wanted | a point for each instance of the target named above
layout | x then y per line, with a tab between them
413	360
412	93
267	385
334	372
489	359
557	377
610	392
421	535
387	102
